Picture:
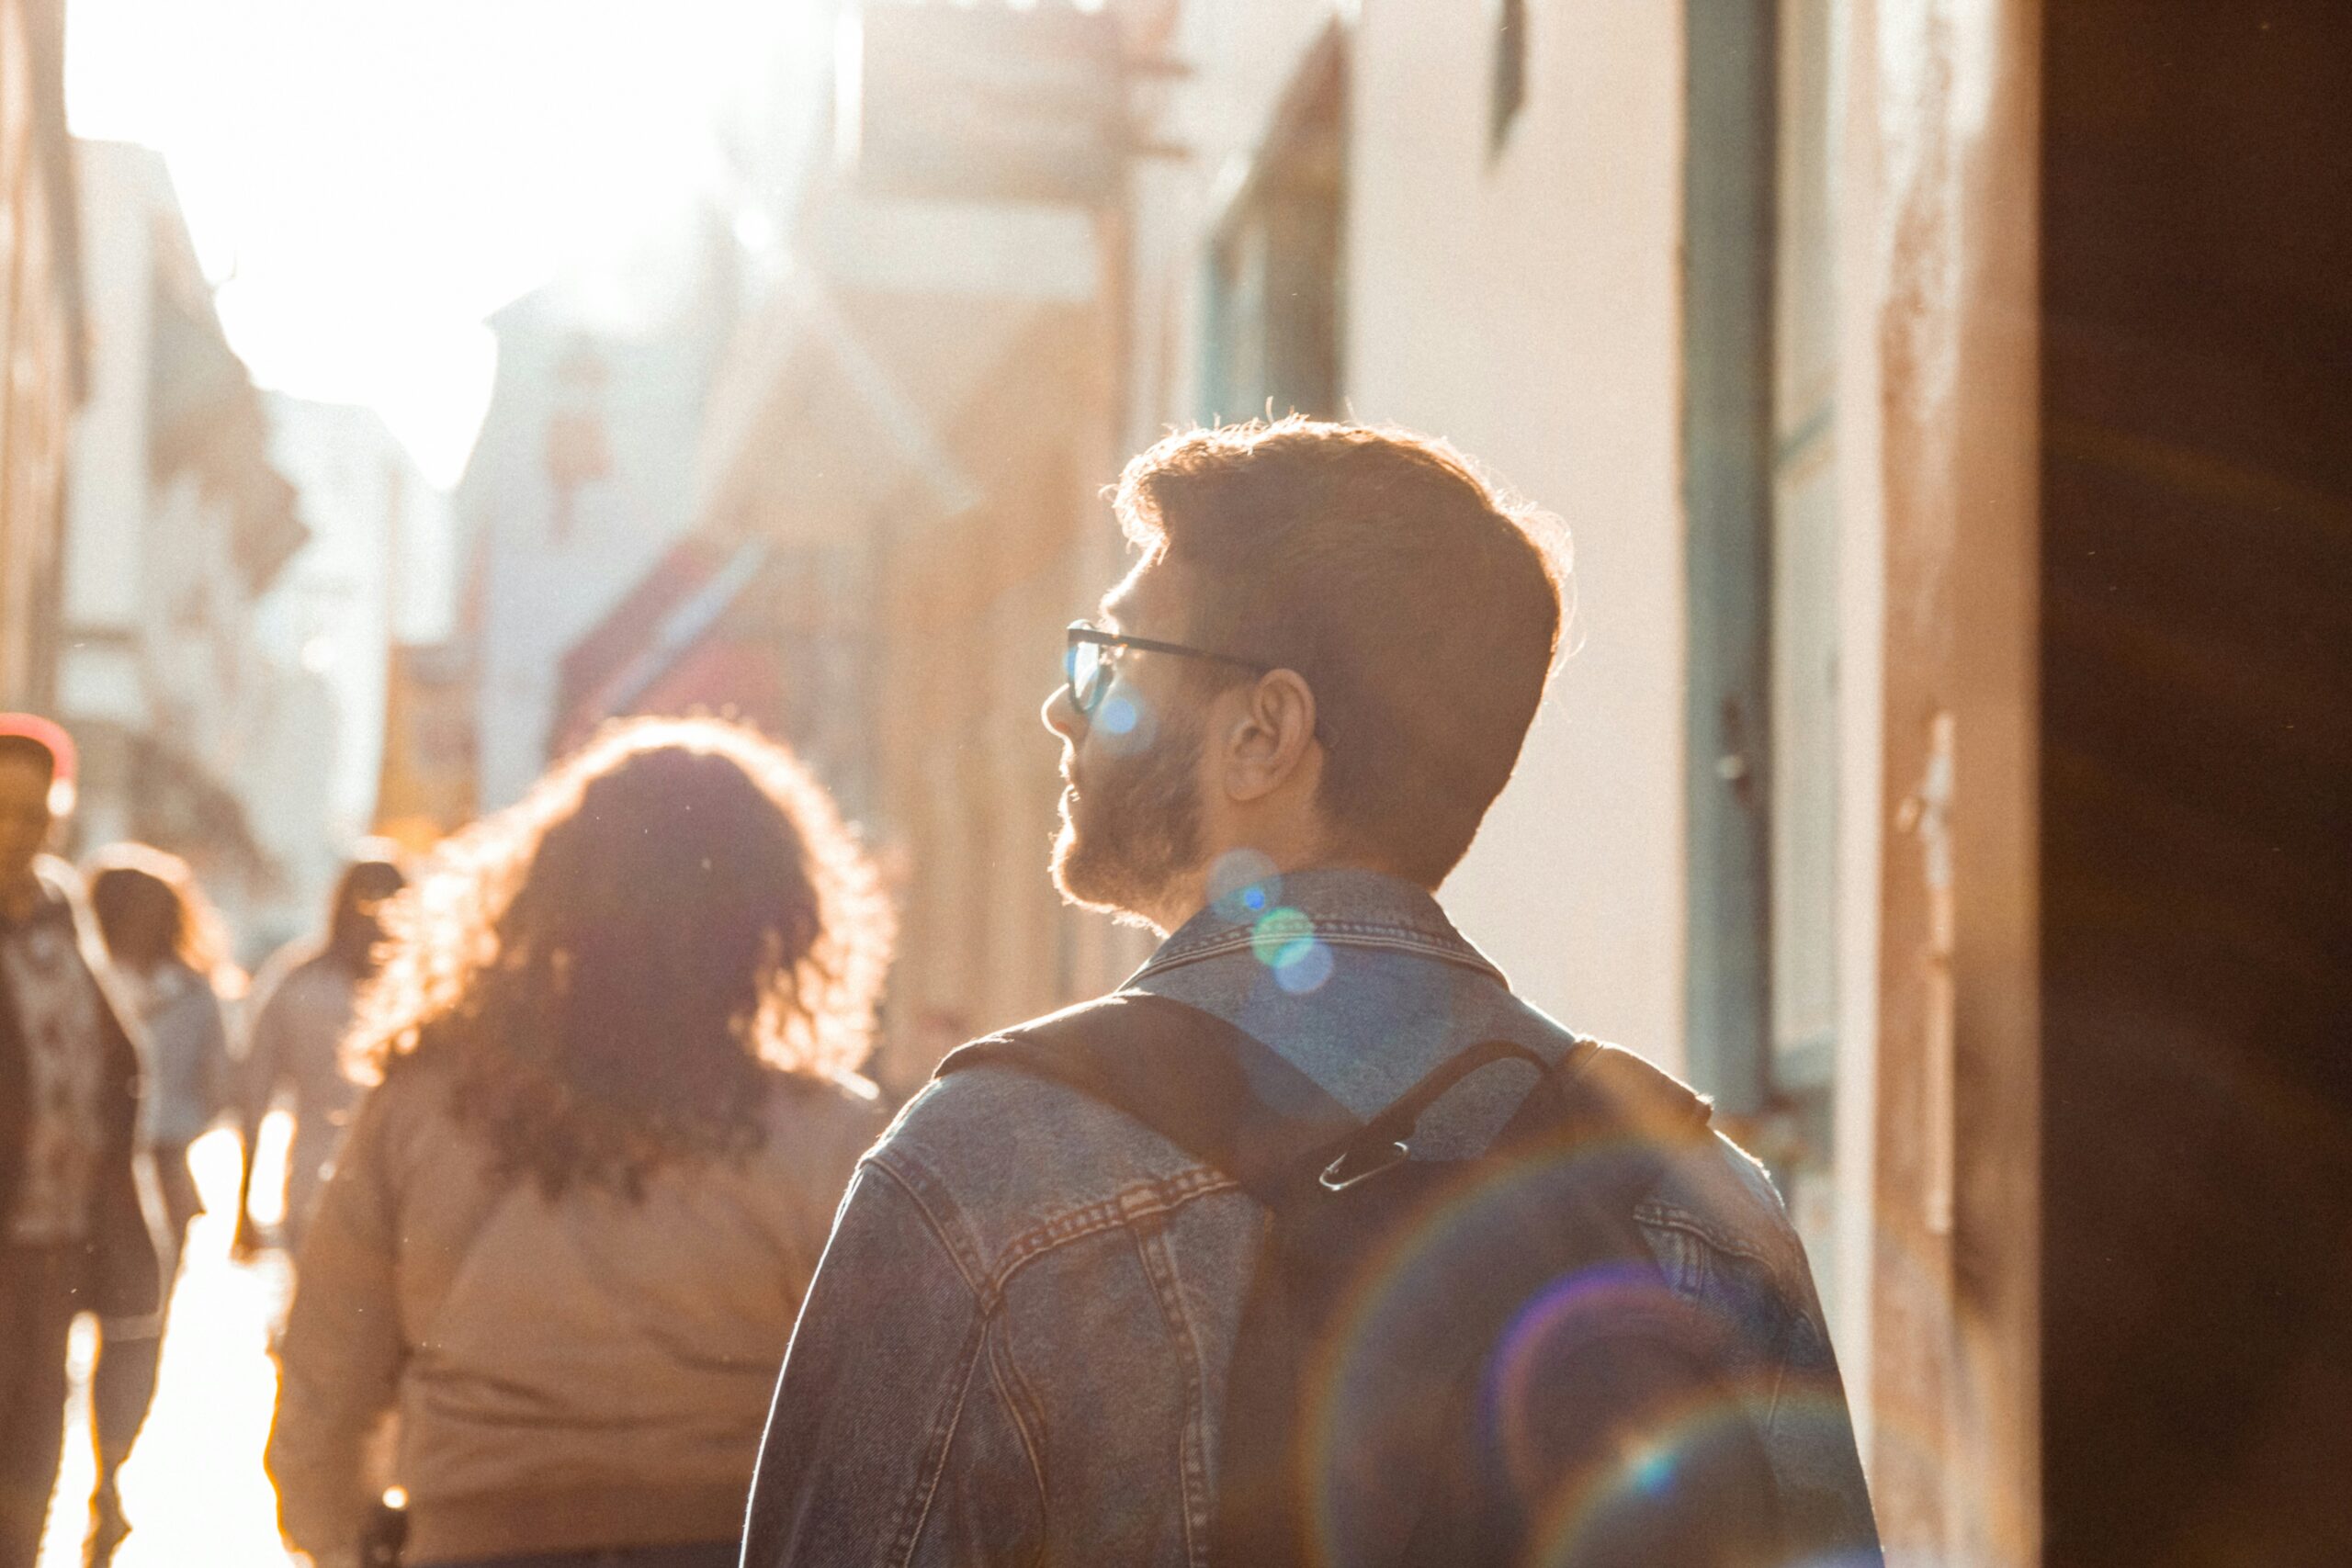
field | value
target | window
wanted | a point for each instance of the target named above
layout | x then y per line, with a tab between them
1276	283
1510	71
1760	464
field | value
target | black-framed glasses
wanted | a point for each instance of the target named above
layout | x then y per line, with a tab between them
1093	652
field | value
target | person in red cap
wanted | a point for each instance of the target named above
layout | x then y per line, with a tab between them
75	1234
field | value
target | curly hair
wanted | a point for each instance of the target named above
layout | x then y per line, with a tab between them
618	970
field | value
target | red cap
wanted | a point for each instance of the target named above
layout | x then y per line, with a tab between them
49	735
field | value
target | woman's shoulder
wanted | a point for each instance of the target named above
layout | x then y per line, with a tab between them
797	1100
409	1101
823	1122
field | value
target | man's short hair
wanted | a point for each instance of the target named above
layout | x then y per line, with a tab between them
1420	601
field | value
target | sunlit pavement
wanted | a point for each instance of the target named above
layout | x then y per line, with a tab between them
194	1488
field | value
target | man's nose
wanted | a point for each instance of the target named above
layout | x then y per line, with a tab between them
1061	714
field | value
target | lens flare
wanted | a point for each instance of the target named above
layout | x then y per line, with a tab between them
1123	724
1353	1373
1279	934
1303	967
1653	1471
1285	943
1583	1512
1400	1300
1572	1307
1243	884
1585	1521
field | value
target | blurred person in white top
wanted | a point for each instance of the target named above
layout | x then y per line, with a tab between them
301	1009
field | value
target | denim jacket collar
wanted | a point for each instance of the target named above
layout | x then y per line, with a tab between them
1344	906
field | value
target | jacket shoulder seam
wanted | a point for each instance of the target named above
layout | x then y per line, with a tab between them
1669	1216
1121	1210
1011	1393
918	1507
948	1230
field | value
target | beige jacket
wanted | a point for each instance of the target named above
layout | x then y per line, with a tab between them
580	1373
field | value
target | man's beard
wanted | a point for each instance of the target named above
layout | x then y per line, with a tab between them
1135	826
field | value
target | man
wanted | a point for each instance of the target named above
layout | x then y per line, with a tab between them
1278	741
75	1230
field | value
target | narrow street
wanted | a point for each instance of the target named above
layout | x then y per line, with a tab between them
1808	539
194	1487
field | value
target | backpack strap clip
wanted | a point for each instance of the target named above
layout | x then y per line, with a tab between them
1340	1173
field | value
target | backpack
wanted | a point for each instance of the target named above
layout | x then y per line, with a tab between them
1442	1361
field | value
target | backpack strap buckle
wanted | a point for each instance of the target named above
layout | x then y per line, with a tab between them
1338	1176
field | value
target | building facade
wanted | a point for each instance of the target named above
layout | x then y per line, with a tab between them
43	346
177	524
580	479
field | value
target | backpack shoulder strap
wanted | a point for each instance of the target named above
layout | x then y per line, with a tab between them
1607	1090
1213	1089
1231	1100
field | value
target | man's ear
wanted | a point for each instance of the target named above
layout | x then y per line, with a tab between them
1269	735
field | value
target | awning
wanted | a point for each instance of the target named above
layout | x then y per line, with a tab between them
671	645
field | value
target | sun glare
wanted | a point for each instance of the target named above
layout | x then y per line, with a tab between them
365	182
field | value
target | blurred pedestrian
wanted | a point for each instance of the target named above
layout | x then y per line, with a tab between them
572	1224
170	950
170	956
1236	1298
301	1009
75	1231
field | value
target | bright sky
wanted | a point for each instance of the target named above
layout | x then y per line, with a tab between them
369	178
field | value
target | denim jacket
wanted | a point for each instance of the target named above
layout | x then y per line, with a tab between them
1015	1347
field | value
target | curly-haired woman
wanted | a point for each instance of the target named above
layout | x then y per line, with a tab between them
572	1223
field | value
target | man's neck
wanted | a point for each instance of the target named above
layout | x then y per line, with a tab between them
1199	892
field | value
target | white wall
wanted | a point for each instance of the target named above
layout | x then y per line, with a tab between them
1527	308
161	631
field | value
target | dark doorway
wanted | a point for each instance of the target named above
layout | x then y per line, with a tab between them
2197	795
